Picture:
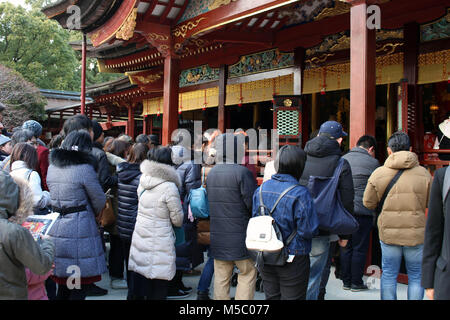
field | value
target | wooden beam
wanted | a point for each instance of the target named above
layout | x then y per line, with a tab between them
224	15
241	37
108	30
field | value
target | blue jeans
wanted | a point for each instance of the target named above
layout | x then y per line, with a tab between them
391	261
318	257
354	254
206	277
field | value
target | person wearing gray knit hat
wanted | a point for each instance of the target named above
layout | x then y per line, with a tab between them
34	126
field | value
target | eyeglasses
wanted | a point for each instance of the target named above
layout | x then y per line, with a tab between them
33	143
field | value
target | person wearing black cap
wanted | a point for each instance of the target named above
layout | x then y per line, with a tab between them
323	154
154	140
106	179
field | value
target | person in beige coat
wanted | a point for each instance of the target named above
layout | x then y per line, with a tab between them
401	223
152	253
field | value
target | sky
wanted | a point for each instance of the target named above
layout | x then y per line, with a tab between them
16	2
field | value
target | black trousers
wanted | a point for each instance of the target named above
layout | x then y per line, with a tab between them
176	283
116	257
64	293
126	245
289	282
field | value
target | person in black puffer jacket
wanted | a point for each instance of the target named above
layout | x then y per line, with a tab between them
129	174
230	189
323	153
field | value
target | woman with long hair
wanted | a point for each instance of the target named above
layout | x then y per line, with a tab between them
78	196
24	163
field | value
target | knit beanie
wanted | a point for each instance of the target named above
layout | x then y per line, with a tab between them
33	126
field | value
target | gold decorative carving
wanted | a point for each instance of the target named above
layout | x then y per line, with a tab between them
287	102
95	36
389	47
317	60
148	79
342	43
126	31
154	36
218	3
182	30
340	7
389	34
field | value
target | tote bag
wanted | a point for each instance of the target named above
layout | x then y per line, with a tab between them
333	217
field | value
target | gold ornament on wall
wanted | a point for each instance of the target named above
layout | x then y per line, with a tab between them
287	102
182	30
218	3
154	36
126	31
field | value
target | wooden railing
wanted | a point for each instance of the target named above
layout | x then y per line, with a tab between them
431	161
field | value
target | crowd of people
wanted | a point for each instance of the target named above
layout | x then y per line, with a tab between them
124	208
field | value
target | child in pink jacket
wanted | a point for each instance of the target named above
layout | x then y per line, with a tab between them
36	285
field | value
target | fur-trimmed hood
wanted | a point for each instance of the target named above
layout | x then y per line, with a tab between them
26	205
63	158
155	173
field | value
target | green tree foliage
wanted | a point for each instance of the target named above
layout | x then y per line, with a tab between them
38	48
22	99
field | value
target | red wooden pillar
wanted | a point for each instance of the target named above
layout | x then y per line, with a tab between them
222	98
410	73
362	73
83	75
170	98
130	123
299	58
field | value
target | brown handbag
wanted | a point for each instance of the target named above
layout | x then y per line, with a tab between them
107	217
203	232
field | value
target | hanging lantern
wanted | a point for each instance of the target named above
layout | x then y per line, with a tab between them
241	99
158	111
322	92
274	90
204	103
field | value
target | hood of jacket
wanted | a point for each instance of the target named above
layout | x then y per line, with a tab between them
322	146
402	160
9	201
128	171
26	203
63	158
154	174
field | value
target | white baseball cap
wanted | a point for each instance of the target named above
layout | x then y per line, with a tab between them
4	139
